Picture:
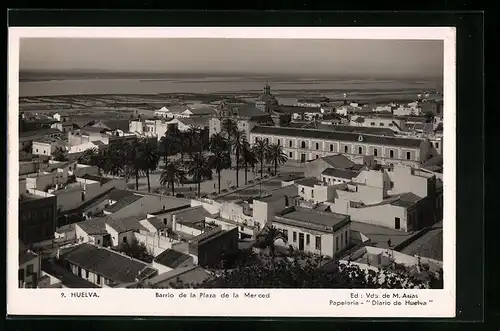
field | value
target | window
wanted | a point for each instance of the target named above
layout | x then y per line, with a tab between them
390	124
83	196
98	241
408	155
391	154
317	156
331	147
256	139
372	123
290	154
391	185
318	243
375	152
20	275
345	237
290	143
294	236
308	239
124	240
79	272
360	150
317	146
279	142
341	239
336	243
98	280
381	124
312	194
267	140
437	145
397	223
346	149
303	144
29	269
164	221
242	228
86	274
285	234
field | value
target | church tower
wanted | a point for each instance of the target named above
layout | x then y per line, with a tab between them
266	102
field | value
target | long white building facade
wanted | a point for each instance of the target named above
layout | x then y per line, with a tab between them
304	145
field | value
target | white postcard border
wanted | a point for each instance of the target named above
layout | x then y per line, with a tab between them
283	303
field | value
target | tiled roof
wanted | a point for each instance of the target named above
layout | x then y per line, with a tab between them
125	224
195	121
406	200
94	225
171	258
202	110
310	182
91	129
364	129
118	194
191	215
339	136
249	111
338	161
340	173
117	124
106	263
156	223
99	179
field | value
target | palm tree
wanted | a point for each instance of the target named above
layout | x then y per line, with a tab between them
169	144
261	150
247	158
238	144
194	140
217	141
200	169
112	160
149	156
229	129
276	156
173	174
133	160
219	160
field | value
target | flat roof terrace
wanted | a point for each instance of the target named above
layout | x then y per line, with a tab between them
312	219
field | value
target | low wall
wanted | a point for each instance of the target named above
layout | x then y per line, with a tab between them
156	244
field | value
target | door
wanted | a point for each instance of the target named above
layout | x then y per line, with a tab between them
301	241
302	158
397	223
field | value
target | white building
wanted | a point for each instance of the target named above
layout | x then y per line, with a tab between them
312	231
304	145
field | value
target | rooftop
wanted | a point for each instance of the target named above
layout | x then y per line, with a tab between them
149	203
406	200
66	277
337	161
118	194
125	224
364	129
187	275
280	193
156	223
108	264
313	219
122	202
94	226
340	173
99	179
309	182
171	258
191	215
339	136
429	245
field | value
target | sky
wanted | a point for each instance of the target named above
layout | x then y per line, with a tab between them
369	58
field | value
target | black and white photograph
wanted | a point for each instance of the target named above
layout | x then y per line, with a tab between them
152	165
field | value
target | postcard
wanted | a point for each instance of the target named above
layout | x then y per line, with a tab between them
253	172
